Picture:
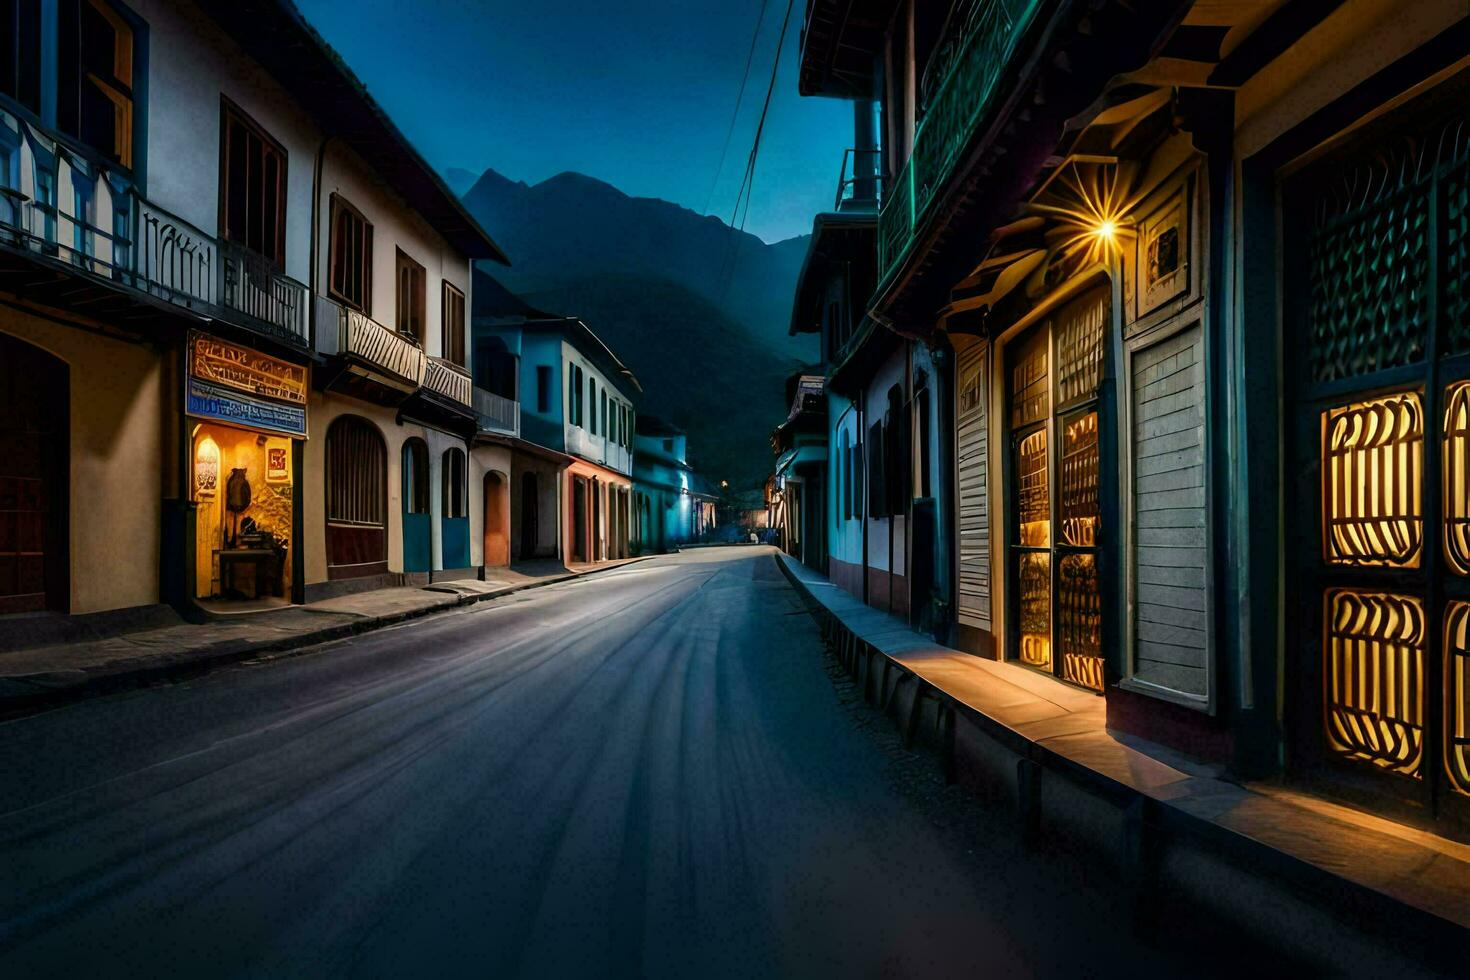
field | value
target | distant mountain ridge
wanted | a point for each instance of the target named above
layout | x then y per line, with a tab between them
698	310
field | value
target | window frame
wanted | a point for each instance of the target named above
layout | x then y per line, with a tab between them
453	484
339	206
415	306
231	111
452	324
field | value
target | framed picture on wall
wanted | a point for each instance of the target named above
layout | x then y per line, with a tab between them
1164	247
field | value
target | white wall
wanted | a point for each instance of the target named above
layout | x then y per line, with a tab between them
191	64
395	226
579	439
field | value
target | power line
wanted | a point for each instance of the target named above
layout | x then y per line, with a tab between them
747	183
735	113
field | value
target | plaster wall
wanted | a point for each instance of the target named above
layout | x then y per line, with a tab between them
117	463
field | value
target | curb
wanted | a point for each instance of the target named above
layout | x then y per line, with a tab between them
27	694
1153	838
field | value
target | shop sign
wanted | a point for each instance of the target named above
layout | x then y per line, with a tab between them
231	366
242	387
207	401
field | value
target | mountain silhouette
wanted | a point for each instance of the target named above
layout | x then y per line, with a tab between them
698	310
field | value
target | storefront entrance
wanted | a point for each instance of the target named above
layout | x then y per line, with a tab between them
244	499
246	411
1377	249
34	443
1055	374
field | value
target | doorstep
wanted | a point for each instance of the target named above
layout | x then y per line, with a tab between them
47	676
1316	847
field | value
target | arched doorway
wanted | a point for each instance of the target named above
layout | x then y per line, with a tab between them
417	520
497	520
530	515
357	499
34	449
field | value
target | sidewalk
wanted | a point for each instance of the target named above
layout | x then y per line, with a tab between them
46	676
1319	878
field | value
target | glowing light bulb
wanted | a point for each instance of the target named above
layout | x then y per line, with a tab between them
1107	229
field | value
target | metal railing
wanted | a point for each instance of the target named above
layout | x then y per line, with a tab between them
102	225
497	413
956	93
251	286
348	333
859	181
446	378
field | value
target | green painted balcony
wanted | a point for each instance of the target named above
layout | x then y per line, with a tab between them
956	93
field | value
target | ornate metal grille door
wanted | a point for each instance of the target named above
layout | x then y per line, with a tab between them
1379	557
1055	468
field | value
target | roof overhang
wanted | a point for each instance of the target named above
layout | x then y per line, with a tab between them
841	45
837	236
276	35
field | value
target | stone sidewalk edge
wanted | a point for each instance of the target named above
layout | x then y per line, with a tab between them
23	694
1170	824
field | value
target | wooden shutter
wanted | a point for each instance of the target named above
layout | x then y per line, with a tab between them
1169	560
972	443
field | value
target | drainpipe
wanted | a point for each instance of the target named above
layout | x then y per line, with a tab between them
864	151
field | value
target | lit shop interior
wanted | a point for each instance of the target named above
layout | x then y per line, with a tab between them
244	494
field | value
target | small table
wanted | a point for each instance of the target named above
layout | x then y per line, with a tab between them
262	561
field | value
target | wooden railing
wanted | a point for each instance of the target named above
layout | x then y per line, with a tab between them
446	378
251	286
348	333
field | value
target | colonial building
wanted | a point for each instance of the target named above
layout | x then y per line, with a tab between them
571	491
1183	281
232	294
672	504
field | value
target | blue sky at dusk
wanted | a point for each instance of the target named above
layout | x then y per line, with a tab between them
638	94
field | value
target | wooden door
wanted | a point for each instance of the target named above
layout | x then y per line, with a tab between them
33	486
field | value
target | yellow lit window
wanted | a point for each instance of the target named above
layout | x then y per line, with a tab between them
1457	477
1457	697
1372	497
1373	677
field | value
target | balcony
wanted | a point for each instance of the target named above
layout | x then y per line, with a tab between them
389	365
859	181
497	413
63	207
956	91
448	380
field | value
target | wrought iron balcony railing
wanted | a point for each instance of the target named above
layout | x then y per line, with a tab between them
341	332
956	92
59	204
444	377
497	413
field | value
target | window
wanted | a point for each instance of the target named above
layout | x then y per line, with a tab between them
94	87
574	394
454	502
252	186
415	477
20	52
592	397
452	312
1055	374
351	279
844	476
543	388
877	499
604	412
356	465
411	300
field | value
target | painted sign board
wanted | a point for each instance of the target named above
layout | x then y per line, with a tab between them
238	386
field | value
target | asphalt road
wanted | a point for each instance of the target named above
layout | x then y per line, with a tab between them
649	772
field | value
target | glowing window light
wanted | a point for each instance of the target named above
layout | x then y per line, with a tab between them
1372	496
1035	576
1032	491
1457	478
1373	679
1457	697
1079	620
